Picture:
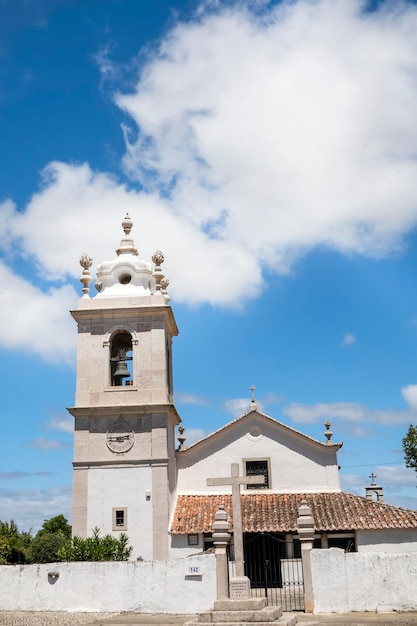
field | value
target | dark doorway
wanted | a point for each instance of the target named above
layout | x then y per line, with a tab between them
271	573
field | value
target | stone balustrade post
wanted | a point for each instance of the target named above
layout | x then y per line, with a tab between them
221	538
305	526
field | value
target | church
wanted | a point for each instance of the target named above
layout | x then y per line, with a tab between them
134	473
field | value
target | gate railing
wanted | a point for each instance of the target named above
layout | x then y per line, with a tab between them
273	576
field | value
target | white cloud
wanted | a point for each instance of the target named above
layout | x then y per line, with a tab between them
194	434
190	398
238	406
30	507
257	137
47	444
283	132
36	321
397	482
271	398
409	394
348	340
355	413
63	423
92	203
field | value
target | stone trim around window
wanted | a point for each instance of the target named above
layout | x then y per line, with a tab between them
119	518
258	466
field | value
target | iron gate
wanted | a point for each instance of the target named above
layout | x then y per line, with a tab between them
271	574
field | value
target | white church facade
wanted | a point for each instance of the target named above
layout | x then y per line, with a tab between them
131	475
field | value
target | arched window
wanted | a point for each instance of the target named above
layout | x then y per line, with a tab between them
121	359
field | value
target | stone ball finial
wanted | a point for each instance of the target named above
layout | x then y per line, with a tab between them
181	437
158	257
86	261
127	224
328	434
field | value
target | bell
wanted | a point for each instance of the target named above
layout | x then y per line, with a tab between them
121	370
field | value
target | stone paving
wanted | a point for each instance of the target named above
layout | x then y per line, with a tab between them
29	618
38	618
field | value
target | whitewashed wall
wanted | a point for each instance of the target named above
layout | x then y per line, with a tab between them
398	540
313	466
368	581
182	586
122	487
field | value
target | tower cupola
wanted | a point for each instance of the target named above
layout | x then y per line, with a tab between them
127	274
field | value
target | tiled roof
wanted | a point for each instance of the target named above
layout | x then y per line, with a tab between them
278	513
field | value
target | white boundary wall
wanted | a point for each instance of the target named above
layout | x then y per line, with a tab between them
367	581
180	587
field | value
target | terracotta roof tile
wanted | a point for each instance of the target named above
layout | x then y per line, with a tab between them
278	513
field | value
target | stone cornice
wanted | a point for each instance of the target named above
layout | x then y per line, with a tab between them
135	311
125	411
162	462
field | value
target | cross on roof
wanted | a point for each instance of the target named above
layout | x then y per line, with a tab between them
235	481
252	389
372	477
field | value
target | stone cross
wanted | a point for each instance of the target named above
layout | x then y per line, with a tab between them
235	481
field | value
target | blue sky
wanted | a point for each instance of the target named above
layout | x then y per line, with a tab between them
269	149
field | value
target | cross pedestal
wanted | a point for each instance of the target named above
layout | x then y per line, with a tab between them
240	584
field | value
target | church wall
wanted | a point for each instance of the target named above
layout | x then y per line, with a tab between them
398	540
151	587
380	582
123	487
295	464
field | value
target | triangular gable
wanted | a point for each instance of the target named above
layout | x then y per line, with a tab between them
230	426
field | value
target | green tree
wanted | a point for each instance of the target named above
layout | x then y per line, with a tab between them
58	524
45	547
96	548
410	447
14	545
53	535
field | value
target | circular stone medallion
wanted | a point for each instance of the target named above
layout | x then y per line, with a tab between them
119	438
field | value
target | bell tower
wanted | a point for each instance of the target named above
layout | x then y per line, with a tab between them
124	445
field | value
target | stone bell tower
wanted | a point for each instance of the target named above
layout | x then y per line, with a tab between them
124	445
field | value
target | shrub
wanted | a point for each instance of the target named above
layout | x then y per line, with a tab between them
96	548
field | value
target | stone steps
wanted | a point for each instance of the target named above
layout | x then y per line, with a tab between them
266	614
244	612
286	620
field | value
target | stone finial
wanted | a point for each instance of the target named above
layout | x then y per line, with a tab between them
305	522
253	405
181	437
86	262
164	285
221	526
127	224
328	434
158	259
127	245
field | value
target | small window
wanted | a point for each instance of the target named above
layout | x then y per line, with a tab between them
258	467
193	540
119	521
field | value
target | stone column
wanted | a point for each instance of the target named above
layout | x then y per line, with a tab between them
305	525
221	538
